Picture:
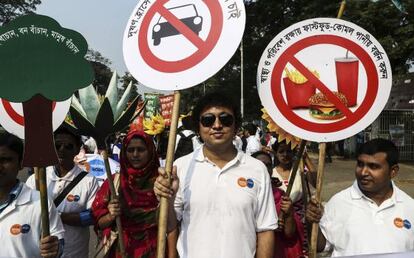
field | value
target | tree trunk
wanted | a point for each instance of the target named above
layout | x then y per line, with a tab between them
39	148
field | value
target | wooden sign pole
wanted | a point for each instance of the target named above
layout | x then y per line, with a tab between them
321	168
121	244
41	173
163	215
319	181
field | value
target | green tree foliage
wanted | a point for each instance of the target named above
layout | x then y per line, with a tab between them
265	19
101	69
10	9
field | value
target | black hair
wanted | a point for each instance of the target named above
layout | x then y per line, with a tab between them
12	142
258	153
215	99
64	130
251	128
187	123
381	145
276	146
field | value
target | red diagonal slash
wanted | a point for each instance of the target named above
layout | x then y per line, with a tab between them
321	86
181	27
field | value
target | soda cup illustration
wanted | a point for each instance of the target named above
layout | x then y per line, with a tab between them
347	78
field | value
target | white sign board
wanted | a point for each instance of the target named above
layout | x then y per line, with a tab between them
324	79
12	118
176	44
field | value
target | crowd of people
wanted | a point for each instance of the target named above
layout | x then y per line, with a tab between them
227	197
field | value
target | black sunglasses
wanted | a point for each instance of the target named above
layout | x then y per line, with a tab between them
225	119
66	146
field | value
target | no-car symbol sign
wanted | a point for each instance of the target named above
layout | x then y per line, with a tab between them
12	117
176	44
324	79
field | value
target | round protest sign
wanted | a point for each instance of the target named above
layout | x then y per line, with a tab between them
172	45
12	117
324	79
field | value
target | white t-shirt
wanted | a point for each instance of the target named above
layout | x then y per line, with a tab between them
238	143
221	210
353	224
20	225
253	145
79	199
194	139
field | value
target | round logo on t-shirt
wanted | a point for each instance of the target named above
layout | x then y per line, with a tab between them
250	183
15	229
73	198
398	222
407	224
242	181
25	228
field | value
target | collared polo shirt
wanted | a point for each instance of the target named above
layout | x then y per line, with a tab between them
20	225
353	224
79	199
222	210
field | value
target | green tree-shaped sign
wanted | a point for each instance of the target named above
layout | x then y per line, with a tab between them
41	62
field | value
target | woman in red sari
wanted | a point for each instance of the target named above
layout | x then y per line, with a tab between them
137	203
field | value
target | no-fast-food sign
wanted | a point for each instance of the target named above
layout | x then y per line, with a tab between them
324	79
176	44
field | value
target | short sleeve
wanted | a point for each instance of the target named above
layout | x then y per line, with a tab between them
325	224
178	201
266	216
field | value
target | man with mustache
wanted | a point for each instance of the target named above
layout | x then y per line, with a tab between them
373	215
220	198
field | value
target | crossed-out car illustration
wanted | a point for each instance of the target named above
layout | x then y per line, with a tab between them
185	13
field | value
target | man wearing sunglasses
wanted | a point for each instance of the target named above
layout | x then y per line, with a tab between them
220	197
73	201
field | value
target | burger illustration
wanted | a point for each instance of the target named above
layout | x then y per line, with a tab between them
321	108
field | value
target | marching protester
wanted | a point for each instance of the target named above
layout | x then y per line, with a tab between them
73	192
373	215
220	199
290	234
137	204
20	213
186	140
253	143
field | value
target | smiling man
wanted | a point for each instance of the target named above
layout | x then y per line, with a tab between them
73	192
220	197
373	215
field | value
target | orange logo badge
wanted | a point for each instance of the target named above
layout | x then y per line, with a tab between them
15	229
398	222
242	181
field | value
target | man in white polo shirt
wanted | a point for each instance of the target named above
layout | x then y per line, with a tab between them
20	212
74	206
373	215
221	197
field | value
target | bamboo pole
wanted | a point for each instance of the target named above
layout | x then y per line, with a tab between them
319	182
341	9
104	154
41	173
163	215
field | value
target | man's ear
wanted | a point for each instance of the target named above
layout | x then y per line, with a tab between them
394	170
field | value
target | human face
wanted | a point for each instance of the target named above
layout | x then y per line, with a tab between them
137	153
373	173
284	154
67	148
267	161
217	135
9	167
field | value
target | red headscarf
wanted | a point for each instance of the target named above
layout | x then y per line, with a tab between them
137	183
